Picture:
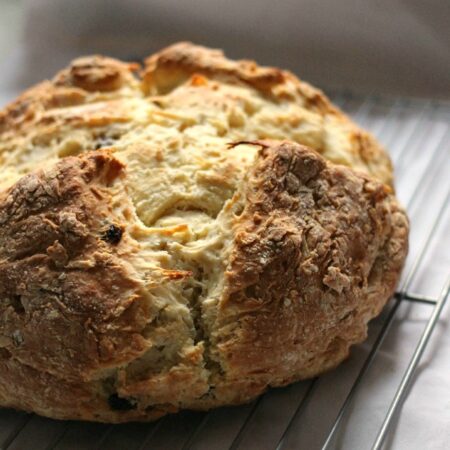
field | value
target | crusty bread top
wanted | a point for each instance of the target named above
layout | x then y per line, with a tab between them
98	100
176	243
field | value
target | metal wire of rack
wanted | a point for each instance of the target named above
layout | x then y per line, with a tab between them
278	419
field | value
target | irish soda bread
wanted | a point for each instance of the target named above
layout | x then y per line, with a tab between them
184	235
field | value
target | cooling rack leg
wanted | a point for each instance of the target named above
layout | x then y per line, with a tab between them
407	377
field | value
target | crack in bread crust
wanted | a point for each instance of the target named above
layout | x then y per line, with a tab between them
153	259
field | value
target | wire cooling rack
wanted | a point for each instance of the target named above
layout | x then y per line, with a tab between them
362	396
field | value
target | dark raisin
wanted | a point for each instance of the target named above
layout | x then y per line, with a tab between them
121	404
113	234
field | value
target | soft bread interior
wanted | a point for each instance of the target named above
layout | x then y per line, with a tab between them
184	199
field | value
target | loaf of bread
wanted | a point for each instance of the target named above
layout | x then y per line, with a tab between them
184	235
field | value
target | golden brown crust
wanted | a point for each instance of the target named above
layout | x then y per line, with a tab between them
70	306
317	253
96	73
173	65
146	265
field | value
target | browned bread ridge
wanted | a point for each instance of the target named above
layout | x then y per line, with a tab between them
184	236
